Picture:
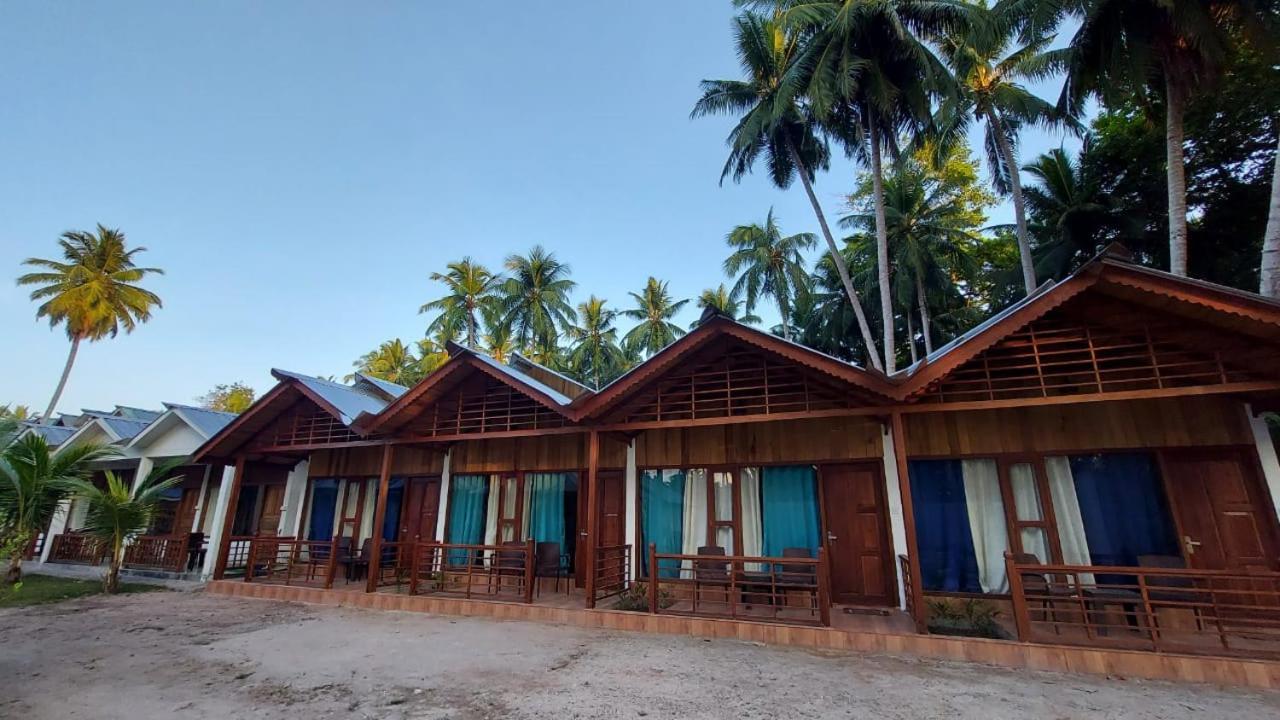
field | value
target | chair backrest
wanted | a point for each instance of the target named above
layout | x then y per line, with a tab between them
548	553
512	558
366	549
344	547
713	551
195	540
796	552
1165	562
1031	580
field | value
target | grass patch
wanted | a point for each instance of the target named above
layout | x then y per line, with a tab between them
41	589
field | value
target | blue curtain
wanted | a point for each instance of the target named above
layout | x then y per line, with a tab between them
662	512
468	498
391	520
947	560
789	499
546	517
324	503
1123	507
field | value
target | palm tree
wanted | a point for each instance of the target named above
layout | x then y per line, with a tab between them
595	354
871	75
471	290
990	74
392	361
772	122
654	309
534	299
768	265
725	302
1070	215
33	482
17	413
92	291
1270	266
117	513
433	351
1162	49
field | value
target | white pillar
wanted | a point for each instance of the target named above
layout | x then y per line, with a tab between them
198	515
294	491
145	466
632	531
897	523
444	498
1266	456
57	526
220	511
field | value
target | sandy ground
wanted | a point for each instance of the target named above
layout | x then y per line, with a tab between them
192	655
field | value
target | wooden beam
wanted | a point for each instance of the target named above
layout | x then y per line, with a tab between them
1153	393
224	547
593	513
271	449
531	432
379	518
742	419
908	518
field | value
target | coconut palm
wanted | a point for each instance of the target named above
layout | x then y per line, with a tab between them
596	355
990	70
1070	215
392	361
471	290
92	291
768	264
654	310
534	299
871	75
727	303
774	123
33	482
1269	271
17	413
1159	49
117	513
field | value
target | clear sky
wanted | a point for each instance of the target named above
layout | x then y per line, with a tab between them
300	168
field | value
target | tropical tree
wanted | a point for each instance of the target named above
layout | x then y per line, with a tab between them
232	398
392	361
871	75
92	291
117	513
1269	269
17	413
727	303
1163	51
654	311
33	482
534	299
433	351
768	264
497	338
471	289
595	355
1070	216
990	70
774	123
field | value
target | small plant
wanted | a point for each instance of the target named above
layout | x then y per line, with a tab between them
636	598
967	618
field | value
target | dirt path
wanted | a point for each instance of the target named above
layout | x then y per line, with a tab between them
192	655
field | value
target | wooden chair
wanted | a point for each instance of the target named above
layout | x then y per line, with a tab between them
550	562
1175	591
509	563
195	551
1036	583
798	577
710	572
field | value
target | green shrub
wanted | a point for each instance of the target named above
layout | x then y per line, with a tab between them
636	598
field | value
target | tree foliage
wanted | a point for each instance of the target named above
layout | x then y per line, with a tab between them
234	397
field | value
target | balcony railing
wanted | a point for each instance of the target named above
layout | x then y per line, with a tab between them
75	547
612	568
490	572
777	589
158	552
289	561
1144	608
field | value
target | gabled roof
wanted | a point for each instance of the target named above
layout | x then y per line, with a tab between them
205	423
385	387
561	382
54	435
346	401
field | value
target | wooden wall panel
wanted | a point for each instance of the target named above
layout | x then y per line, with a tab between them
367	461
775	442
548	452
1172	422
408	460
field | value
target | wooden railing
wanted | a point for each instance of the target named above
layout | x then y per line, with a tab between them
1144	608
286	560
158	552
396	564
492	572
74	547
612	568
35	547
909	601
238	553
784	590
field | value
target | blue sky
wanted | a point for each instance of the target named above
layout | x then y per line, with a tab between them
300	168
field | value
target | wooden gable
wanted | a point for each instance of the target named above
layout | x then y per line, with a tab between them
304	423
479	404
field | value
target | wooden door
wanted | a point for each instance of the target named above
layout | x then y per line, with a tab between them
272	501
1223	512
613	508
185	516
420	509
855	521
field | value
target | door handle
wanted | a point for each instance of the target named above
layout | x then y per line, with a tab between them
831	537
1190	544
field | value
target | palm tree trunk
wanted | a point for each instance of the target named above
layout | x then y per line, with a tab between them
911	338
882	248
786	325
62	382
14	575
1176	175
1270	270
471	329
111	581
923	298
838	259
1019	206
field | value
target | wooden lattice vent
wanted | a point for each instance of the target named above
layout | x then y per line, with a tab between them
735	384
1058	356
487	406
308	425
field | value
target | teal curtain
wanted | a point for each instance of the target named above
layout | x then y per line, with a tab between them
468	499
789	497
662	513
546	518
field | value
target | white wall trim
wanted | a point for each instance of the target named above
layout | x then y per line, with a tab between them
444	497
897	523
632	481
219	521
1266	456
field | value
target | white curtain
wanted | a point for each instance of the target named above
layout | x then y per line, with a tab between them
528	506
1066	509
986	522
752	525
1026	506
695	513
491	514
